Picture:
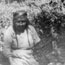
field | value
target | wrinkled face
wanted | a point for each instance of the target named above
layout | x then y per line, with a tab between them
20	25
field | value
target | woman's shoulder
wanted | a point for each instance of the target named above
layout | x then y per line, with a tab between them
9	30
31	27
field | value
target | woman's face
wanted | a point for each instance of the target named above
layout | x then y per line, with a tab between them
20	22
20	25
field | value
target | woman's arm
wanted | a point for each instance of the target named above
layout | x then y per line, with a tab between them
7	43
7	46
35	35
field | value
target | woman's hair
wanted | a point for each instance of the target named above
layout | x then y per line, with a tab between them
20	16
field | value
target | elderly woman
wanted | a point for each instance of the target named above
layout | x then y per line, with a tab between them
19	40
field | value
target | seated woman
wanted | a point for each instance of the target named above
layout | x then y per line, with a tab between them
19	40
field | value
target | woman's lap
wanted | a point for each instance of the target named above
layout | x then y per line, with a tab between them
25	58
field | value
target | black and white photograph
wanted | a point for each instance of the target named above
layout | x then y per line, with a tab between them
32	32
